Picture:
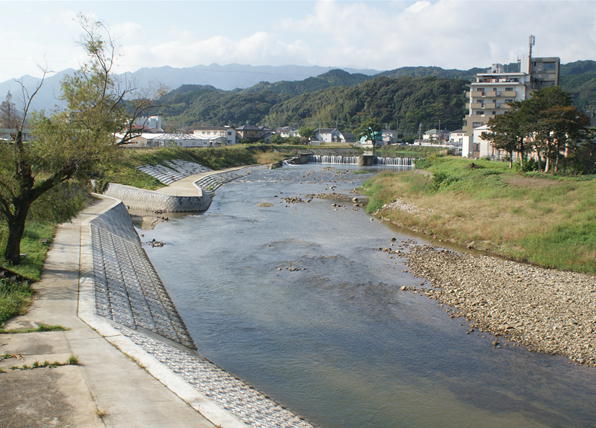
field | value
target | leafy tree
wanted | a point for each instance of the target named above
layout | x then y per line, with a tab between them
71	144
508	132
558	131
306	132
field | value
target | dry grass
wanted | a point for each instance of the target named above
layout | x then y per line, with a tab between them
551	222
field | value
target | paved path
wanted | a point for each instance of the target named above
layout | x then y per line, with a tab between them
107	389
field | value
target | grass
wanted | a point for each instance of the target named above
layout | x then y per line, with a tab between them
35	245
15	297
40	328
545	220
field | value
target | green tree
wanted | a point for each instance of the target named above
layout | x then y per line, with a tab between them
559	130
508	132
554	125
306	132
71	144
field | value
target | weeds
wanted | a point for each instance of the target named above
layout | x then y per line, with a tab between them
41	327
72	361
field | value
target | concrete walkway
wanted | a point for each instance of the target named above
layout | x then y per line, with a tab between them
107	389
186	187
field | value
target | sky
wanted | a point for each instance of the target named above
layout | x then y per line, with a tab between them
377	34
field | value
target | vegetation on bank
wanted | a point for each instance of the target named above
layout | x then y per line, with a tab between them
529	217
124	169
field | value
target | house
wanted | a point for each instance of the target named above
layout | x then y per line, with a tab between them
250	133
287	131
435	136
457	138
477	147
328	135
222	134
389	136
8	134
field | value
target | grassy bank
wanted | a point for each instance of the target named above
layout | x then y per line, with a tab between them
549	221
124	170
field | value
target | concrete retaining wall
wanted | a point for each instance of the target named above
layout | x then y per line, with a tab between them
149	200
128	290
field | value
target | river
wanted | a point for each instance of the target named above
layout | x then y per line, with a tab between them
297	299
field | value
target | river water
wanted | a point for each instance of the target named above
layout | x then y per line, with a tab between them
297	300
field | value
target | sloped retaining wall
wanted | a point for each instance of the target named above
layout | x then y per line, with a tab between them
149	200
127	287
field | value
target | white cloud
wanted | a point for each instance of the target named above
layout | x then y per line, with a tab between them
377	34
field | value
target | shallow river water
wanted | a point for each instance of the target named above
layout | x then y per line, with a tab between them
333	338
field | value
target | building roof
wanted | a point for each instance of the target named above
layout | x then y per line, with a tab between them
212	128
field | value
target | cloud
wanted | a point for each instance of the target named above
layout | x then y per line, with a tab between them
374	34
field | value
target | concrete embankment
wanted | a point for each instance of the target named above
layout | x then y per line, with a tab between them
150	200
190	194
128	292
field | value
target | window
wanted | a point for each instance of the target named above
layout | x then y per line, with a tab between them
477	124
509	89
479	112
549	66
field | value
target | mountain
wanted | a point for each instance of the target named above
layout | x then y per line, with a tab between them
194	105
579	79
335	98
226	77
402	102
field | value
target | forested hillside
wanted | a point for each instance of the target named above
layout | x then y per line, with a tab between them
404	101
404	97
193	105
579	79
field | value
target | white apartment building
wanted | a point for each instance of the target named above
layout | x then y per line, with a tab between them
491	93
217	134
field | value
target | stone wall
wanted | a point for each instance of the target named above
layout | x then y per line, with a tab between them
149	200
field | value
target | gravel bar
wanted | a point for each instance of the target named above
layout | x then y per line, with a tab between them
545	310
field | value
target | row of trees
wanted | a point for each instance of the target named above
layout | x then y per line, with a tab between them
547	130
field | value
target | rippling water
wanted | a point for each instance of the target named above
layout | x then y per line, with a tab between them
333	338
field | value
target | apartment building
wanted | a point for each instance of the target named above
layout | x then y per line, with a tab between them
491	93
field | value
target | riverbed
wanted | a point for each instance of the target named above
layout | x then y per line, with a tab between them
297	299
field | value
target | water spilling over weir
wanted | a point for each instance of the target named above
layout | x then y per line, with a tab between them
354	160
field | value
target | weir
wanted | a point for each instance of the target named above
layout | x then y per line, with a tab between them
367	160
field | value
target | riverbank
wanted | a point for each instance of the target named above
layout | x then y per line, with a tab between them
542	309
482	205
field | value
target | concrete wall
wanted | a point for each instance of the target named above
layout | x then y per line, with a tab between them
128	290
149	200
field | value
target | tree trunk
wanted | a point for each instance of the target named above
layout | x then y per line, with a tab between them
16	229
546	164
511	159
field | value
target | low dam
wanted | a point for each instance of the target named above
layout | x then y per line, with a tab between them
358	160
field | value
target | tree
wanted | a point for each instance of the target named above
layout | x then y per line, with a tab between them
508	132
306	132
553	124
71	144
558	131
